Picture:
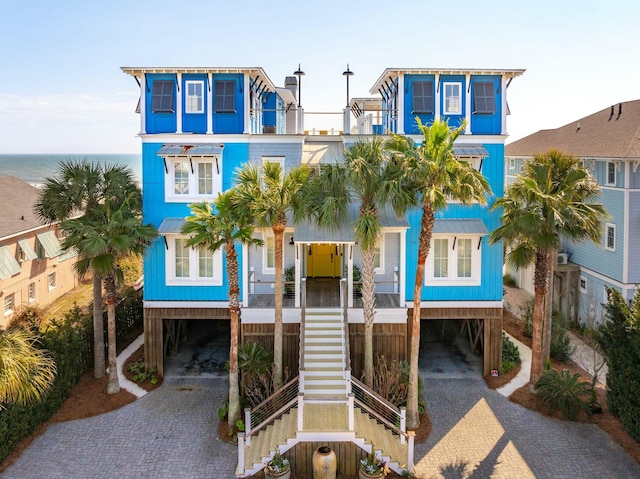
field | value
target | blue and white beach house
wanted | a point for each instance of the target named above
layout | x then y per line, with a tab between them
198	125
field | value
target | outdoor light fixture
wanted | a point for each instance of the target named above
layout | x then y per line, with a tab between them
291	241
347	73
299	73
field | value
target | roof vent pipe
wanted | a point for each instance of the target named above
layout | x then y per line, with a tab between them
611	114
619	110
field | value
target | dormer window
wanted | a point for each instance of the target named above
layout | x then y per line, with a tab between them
195	97
484	98
423	97
225	96
452	98
162	96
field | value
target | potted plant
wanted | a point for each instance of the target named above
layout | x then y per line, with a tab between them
277	467
371	467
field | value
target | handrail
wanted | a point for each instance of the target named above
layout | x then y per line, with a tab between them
272	407
303	316
379	408
345	325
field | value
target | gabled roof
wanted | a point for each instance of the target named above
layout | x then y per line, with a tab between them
17	199
613	132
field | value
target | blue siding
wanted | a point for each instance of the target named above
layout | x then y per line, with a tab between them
595	257
155	209
194	122
159	122
490	288
633	245
230	122
486	124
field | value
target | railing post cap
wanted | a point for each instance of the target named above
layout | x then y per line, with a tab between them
411	433
247	409
240	435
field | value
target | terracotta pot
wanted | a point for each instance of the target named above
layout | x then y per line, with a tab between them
324	463
363	475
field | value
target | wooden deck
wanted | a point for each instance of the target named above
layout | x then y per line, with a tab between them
322	293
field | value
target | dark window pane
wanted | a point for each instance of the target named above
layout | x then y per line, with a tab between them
484	97
423	97
162	96
225	96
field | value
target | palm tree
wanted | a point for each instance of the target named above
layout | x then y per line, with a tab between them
271	193
215	226
553	199
26	372
109	232
76	189
435	175
365	175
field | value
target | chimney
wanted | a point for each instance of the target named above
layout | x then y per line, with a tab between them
291	84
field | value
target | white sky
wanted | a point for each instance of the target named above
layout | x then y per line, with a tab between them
62	90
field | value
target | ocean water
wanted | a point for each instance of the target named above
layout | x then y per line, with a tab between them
34	169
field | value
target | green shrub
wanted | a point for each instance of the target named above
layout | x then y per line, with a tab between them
526	315
560	347
620	341
508	280
563	392
510	354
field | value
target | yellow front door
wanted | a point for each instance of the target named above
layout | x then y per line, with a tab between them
323	260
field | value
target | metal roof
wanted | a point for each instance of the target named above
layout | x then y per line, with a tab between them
474	151
28	251
201	149
456	226
50	243
8	264
171	226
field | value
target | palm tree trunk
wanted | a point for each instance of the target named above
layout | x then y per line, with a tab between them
426	227
113	386
368	306
548	308
278	233
540	292
234	313
98	328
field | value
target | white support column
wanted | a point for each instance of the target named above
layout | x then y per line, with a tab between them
298	273
143	103
352	421
400	104
468	109
403	267
210	92
350	276
247	424
240	467
246	105
245	276
403	423
410	464
300	121
300	411
436	98
503	89
346	130
179	103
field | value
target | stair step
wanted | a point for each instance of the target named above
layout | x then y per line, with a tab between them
337	372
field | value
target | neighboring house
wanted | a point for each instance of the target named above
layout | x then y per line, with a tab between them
608	142
33	268
198	125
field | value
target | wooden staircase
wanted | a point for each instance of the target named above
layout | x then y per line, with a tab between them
324	409
324	356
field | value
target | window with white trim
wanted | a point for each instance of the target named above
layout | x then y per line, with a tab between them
378	255
191	266
195	96
193	179
274	159
610	237
512	163
51	280
454	261
611	173
452	98
32	292
9	304
583	284
269	255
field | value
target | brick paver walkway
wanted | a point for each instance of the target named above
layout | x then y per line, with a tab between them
171	433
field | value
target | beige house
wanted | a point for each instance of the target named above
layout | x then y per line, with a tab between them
34	270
